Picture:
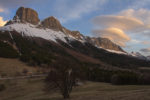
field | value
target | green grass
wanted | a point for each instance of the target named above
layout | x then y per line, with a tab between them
33	90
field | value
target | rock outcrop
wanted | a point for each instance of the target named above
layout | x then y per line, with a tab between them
52	23
75	34
27	15
104	43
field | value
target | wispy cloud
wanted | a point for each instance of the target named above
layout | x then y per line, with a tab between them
14	3
114	34
133	23
115	27
141	14
139	4
145	50
76	9
2	22
121	22
1	10
145	42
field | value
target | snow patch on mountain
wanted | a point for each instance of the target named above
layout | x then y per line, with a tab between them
27	29
138	55
112	51
34	31
118	52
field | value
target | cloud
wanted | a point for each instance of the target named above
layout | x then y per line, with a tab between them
2	22
1	10
145	50
114	34
141	14
14	3
133	23
134	41
115	27
76	9
5	5
121	22
65	10
139	4
145	42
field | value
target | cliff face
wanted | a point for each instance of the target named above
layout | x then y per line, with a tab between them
52	23
104	43
27	15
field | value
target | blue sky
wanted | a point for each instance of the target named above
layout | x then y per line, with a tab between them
125	22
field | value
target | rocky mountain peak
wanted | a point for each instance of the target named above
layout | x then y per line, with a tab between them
52	23
104	43
27	15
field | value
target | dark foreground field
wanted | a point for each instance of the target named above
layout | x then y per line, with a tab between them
32	89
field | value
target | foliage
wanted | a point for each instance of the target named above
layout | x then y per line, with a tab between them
118	60
116	77
124	78
7	51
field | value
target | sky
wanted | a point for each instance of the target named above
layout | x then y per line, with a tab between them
125	22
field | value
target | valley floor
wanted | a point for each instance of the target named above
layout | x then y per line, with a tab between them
32	89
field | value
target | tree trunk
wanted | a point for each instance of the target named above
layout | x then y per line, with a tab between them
66	96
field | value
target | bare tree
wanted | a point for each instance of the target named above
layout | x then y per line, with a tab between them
62	78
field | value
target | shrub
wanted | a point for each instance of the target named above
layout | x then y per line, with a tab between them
125	78
115	79
144	79
7	51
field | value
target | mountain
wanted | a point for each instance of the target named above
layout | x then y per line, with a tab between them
138	55
104	43
148	57
47	42
27	19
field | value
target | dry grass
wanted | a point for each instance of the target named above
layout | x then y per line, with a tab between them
33	90
11	67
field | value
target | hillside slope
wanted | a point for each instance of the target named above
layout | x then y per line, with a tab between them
12	67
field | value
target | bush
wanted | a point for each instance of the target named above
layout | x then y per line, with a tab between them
2	87
7	51
115	79
125	78
144	79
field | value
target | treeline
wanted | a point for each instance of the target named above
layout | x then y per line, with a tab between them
117	77
7	51
118	60
37	51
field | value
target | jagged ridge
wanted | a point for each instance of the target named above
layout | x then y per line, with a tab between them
42	29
